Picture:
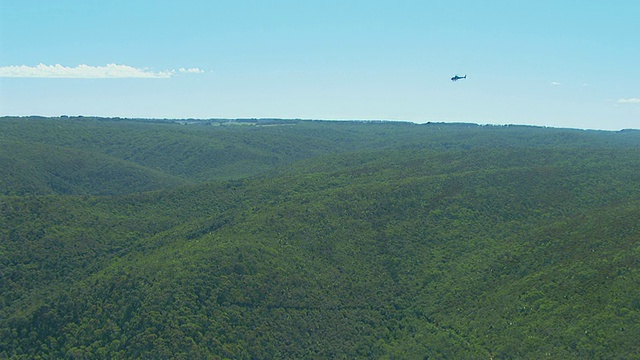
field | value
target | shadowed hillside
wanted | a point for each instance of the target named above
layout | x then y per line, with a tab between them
35	168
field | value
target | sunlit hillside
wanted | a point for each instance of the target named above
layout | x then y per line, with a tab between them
317	239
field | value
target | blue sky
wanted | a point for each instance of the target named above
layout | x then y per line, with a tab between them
555	63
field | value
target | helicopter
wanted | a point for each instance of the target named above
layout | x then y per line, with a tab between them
456	78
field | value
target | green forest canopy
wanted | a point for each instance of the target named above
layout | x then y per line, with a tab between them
125	238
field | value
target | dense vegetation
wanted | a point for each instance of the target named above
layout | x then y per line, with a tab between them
311	239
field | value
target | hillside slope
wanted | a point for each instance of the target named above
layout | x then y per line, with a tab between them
75	156
503	252
40	169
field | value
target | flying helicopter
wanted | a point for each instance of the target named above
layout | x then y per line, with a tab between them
456	78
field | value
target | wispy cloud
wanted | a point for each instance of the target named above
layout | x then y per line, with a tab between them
635	100
191	70
87	72
555	83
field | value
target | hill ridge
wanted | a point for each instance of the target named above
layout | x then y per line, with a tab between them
398	245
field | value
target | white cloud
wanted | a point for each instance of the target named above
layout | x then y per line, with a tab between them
87	72
629	101
191	70
555	83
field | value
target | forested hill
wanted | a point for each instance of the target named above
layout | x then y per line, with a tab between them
100	156
317	239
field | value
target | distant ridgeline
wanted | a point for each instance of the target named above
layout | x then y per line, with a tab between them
156	238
